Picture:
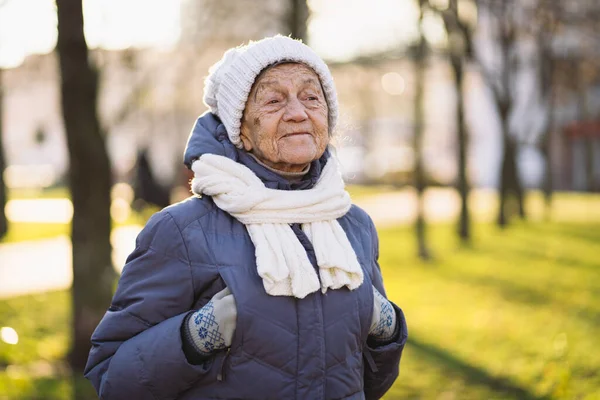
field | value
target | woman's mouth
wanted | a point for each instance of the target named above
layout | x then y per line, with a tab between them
296	134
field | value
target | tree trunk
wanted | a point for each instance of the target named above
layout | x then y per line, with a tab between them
510	172
298	19
510	183
459	46
463	184
419	176
509	175
584	116
502	216
3	220
89	180
547	184
517	185
547	82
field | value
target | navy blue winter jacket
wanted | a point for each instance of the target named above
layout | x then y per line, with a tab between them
282	348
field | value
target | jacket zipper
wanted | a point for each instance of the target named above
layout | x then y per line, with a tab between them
308	247
310	251
221	374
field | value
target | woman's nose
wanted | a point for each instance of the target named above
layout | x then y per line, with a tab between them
295	111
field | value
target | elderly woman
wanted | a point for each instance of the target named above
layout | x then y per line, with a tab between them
265	284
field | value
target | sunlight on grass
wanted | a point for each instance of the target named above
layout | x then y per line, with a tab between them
30	194
516	316
361	191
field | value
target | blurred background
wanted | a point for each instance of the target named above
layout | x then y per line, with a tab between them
470	132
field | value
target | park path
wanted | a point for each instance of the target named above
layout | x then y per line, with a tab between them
42	265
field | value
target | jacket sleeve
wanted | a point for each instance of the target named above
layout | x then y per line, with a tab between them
383	361
137	347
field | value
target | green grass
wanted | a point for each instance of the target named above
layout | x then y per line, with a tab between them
34	368
28	194
362	191
22	231
516	315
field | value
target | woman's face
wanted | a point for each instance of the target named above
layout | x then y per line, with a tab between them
285	120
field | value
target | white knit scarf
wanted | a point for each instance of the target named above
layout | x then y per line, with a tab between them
281	260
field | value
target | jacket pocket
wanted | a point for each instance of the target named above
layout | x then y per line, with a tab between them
369	359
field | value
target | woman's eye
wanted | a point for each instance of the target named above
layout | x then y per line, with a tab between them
312	98
274	101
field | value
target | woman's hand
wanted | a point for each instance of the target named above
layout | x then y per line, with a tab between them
211	327
383	324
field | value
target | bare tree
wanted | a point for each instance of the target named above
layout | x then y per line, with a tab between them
420	64
298	19
546	30
460	51
499	77
89	180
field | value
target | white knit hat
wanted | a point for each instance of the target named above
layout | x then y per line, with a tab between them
228	84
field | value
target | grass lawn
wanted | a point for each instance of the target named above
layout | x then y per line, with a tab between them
361	191
29	194
514	316
22	231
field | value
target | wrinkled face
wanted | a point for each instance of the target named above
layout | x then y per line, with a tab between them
285	120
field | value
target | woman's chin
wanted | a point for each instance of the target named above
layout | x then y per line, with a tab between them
298	151
299	156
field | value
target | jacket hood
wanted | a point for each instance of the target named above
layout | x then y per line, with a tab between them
209	136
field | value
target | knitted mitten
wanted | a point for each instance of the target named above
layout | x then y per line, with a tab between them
383	324
211	327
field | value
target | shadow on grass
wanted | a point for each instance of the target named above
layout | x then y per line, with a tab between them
552	242
533	249
590	234
471	374
517	292
522	248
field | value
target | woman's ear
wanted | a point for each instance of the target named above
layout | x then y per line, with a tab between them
246	142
